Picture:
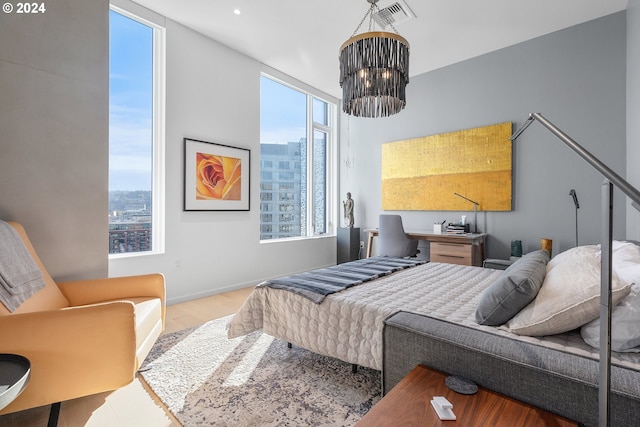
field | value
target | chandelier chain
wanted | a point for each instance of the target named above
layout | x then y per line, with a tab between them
367	13
370	13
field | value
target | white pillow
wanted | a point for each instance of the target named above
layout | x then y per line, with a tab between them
570	294
625	261
625	325
625	317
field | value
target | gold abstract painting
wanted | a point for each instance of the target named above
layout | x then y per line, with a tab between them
424	173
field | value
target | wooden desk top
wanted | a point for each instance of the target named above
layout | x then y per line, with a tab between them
408	404
433	237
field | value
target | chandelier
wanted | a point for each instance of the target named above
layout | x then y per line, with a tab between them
374	71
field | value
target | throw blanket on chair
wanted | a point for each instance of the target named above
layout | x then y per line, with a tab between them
20	277
317	284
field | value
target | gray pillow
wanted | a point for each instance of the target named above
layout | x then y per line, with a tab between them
516	288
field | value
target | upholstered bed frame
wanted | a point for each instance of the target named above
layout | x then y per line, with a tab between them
562	383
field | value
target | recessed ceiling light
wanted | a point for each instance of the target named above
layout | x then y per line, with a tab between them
236	11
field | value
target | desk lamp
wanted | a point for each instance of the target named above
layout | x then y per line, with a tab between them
475	211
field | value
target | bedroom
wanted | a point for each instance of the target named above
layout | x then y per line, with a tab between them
70	216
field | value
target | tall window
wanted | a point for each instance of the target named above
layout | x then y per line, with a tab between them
296	133
135	134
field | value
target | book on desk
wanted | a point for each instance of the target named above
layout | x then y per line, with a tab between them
457	229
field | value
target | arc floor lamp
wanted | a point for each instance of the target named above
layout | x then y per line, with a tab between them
610	179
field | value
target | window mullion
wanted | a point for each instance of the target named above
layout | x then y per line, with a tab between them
310	172
158	168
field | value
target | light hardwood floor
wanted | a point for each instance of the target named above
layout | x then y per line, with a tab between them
134	405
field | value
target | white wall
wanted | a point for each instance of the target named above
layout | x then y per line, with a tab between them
213	94
633	111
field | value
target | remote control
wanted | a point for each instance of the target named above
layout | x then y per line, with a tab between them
443	408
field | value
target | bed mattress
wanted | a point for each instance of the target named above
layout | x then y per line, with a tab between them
348	325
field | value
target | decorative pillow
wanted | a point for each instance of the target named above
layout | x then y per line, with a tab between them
625	261
516	288
570	295
625	319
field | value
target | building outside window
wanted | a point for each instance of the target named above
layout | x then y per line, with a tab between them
295	174
136	137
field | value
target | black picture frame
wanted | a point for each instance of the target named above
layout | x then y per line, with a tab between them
216	176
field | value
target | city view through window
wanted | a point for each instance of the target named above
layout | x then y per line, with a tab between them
293	172
130	135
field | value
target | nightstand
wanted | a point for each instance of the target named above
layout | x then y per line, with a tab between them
408	404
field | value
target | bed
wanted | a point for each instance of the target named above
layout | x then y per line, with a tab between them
396	321
348	325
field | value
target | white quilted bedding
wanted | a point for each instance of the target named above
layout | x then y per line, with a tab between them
348	325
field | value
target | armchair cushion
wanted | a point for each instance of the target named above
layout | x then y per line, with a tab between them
73	352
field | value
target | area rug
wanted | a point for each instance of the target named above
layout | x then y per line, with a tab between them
206	379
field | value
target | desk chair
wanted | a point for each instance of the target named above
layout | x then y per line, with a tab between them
392	239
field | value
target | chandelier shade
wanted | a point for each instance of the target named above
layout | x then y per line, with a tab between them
374	71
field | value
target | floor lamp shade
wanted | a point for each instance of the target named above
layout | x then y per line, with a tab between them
374	72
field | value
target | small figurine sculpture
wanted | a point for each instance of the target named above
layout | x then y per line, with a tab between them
348	211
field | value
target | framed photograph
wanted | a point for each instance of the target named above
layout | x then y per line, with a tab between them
216	177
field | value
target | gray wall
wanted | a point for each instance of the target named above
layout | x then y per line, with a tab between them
633	111
575	77
54	132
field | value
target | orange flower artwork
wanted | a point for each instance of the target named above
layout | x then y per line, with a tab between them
218	177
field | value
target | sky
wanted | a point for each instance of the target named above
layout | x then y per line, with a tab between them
283	113
130	103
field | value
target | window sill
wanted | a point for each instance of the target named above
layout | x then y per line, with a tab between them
297	239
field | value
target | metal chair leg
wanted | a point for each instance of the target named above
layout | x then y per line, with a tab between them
54	414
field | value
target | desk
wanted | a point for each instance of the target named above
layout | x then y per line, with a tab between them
15	371
408	404
467	249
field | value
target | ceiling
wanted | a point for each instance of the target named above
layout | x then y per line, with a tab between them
301	38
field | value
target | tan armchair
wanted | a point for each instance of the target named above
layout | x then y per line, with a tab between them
82	337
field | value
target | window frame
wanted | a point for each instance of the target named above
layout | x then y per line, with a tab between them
331	132
158	210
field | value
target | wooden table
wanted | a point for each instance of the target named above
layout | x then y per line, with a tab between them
408	404
15	371
466	249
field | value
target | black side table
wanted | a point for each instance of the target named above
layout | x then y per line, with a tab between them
15	371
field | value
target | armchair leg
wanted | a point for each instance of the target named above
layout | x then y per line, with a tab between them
54	414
